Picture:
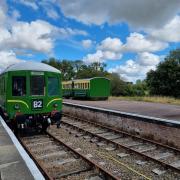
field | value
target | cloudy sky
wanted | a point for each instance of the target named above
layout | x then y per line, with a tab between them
130	36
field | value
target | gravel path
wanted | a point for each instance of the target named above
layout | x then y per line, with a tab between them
144	108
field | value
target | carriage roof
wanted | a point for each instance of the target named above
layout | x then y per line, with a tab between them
83	80
89	79
31	66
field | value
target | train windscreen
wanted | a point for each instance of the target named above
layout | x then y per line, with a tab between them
53	86
18	86
37	85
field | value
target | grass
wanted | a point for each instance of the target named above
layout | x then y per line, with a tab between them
155	99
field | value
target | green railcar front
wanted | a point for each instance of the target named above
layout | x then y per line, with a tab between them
31	95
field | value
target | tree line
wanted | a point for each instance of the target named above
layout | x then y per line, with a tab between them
165	80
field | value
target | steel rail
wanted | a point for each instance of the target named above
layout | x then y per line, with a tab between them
125	133
38	164
125	147
107	174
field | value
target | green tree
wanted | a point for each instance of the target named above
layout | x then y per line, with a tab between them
91	70
79	70
165	80
67	69
65	66
118	86
52	61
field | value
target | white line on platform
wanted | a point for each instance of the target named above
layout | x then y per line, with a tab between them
29	162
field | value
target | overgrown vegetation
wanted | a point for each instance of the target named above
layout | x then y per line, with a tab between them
164	81
155	99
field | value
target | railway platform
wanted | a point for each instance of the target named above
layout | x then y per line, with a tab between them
166	111
15	163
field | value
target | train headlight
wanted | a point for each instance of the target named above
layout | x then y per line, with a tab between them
16	107
55	105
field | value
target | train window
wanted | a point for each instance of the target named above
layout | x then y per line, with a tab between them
18	86
37	85
53	86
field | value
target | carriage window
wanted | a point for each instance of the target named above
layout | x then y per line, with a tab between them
37	85
53	86
19	86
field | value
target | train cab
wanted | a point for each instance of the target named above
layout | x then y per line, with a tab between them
32	94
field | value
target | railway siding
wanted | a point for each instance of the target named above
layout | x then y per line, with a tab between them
161	130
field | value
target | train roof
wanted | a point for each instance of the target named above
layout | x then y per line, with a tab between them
83	80
31	66
88	79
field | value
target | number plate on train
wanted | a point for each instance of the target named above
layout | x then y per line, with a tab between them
37	104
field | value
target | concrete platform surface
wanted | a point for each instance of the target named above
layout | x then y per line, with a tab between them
159	110
15	163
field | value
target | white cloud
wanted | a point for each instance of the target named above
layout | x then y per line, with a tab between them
34	36
7	58
109	49
3	11
4	35
137	69
139	13
37	35
148	59
102	56
137	42
87	43
16	14
46	5
111	44
169	32
29	3
52	14
96	57
49	9
112	49
110	55
72	32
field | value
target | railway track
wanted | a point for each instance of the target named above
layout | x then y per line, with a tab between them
58	160
167	157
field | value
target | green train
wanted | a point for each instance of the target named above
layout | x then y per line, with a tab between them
92	88
30	95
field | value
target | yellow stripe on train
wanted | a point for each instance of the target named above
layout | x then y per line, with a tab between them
57	99
18	101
